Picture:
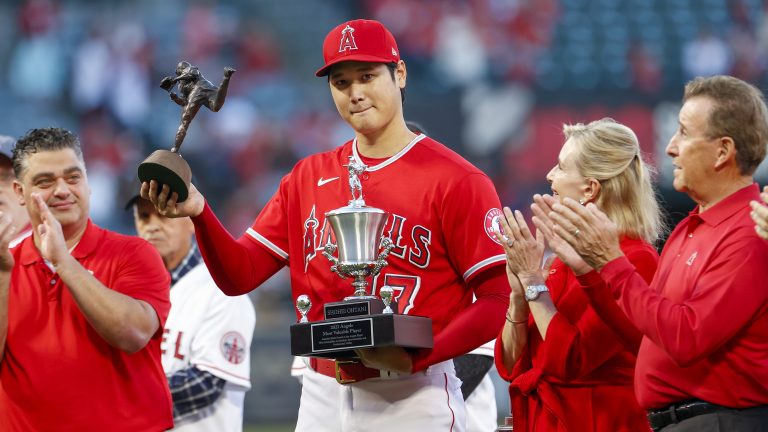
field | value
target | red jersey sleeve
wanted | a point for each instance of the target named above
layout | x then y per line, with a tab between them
237	266
469	215
473	326
270	229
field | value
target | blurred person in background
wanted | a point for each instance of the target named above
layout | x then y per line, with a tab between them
9	202
570	370
80	348
206	347
702	363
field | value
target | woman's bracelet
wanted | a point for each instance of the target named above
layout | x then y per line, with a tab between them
509	319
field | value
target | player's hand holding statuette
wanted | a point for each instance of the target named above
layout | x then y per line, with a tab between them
167	167
360	320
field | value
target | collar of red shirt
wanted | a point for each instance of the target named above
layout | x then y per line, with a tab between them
30	255
728	206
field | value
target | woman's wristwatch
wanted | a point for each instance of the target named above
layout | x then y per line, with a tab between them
532	291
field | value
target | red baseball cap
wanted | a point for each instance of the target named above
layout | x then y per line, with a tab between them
359	40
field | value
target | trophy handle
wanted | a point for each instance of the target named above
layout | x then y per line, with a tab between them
381	261
328	251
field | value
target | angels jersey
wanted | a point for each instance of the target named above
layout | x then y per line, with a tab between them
213	332
442	214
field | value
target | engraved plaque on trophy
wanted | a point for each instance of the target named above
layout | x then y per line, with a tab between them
167	167
361	320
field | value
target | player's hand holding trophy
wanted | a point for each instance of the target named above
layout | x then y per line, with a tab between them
360	320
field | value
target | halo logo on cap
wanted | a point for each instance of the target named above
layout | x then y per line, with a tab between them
347	39
358	40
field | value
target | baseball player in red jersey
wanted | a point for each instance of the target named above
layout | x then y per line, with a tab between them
443	213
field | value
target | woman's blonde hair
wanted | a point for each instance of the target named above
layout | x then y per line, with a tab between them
609	152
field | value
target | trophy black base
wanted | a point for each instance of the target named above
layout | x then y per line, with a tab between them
339	337
167	168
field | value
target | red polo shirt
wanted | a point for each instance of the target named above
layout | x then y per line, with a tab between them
705	314
57	372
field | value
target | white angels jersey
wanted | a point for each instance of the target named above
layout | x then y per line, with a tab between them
442	214
213	332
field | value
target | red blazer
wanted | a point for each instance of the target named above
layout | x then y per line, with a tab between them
580	378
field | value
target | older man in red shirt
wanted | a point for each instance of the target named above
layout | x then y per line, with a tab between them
702	364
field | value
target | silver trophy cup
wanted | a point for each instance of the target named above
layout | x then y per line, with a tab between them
358	229
361	247
361	320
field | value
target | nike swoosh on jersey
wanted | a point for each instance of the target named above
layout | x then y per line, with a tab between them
323	181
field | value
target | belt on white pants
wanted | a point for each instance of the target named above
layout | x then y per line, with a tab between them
348	371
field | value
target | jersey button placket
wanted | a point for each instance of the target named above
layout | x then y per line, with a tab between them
53	288
692	226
